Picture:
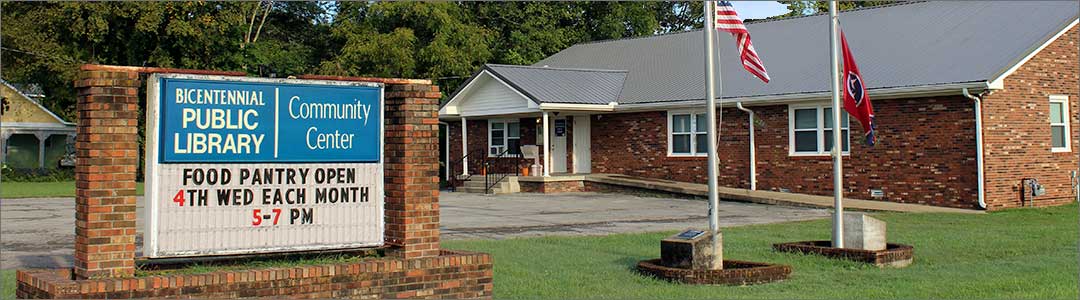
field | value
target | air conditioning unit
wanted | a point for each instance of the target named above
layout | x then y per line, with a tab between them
877	193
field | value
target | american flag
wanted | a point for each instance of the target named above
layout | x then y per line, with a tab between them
728	20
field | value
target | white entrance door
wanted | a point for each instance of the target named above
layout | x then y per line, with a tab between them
558	145
582	145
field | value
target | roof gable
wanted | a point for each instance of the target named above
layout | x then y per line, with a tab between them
23	110
485	94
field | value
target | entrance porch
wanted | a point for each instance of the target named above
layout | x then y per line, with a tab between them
504	112
562	140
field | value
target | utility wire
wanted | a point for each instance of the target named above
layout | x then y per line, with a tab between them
68	59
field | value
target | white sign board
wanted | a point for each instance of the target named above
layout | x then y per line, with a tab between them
239	165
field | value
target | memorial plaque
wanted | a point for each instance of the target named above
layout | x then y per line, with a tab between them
690	234
240	165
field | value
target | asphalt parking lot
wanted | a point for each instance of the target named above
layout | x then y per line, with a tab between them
39	233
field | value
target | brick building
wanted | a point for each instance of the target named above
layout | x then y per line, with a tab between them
948	80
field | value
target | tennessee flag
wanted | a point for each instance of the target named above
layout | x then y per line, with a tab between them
856	102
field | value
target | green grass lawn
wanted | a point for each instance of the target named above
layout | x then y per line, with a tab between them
44	189
1023	253
7	284
1020	253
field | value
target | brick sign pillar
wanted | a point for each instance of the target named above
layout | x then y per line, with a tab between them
412	168
107	156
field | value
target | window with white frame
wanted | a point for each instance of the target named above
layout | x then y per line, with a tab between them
686	134
1059	123
811	127
503	134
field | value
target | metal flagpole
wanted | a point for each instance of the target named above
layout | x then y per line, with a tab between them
710	108
837	149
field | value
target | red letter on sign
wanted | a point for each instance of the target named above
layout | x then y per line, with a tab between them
258	218
277	213
179	198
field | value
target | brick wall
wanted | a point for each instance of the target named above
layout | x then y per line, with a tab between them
107	152
452	275
1016	128
569	143
925	153
477	144
636	144
411	151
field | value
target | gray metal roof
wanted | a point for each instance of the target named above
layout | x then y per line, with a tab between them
914	44
562	85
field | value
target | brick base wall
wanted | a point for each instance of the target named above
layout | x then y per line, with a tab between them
925	153
452	275
599	187
552	187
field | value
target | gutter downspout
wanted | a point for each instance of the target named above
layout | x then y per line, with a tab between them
979	147
753	152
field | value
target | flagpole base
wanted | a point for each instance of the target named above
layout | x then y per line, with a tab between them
893	256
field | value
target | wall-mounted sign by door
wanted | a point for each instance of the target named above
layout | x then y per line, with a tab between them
254	165
560	127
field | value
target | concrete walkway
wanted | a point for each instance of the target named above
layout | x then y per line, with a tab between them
479	216
767	197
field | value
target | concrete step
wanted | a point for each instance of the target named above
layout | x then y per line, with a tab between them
477	185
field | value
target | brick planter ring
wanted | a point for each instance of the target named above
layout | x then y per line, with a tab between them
734	273
894	255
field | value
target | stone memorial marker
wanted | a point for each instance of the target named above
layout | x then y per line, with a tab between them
689	249
863	232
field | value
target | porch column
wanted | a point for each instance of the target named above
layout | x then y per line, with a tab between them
3	146
42	137
547	147
464	147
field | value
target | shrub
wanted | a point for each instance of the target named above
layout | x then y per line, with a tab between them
10	174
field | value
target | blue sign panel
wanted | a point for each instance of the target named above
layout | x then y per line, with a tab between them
241	121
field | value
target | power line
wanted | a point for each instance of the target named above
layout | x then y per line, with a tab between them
71	60
450	77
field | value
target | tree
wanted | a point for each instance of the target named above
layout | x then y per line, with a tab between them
531	31
47	41
804	8
407	39
526	32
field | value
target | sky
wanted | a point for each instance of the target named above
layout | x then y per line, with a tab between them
758	9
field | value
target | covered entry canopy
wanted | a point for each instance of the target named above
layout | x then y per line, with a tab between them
507	89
